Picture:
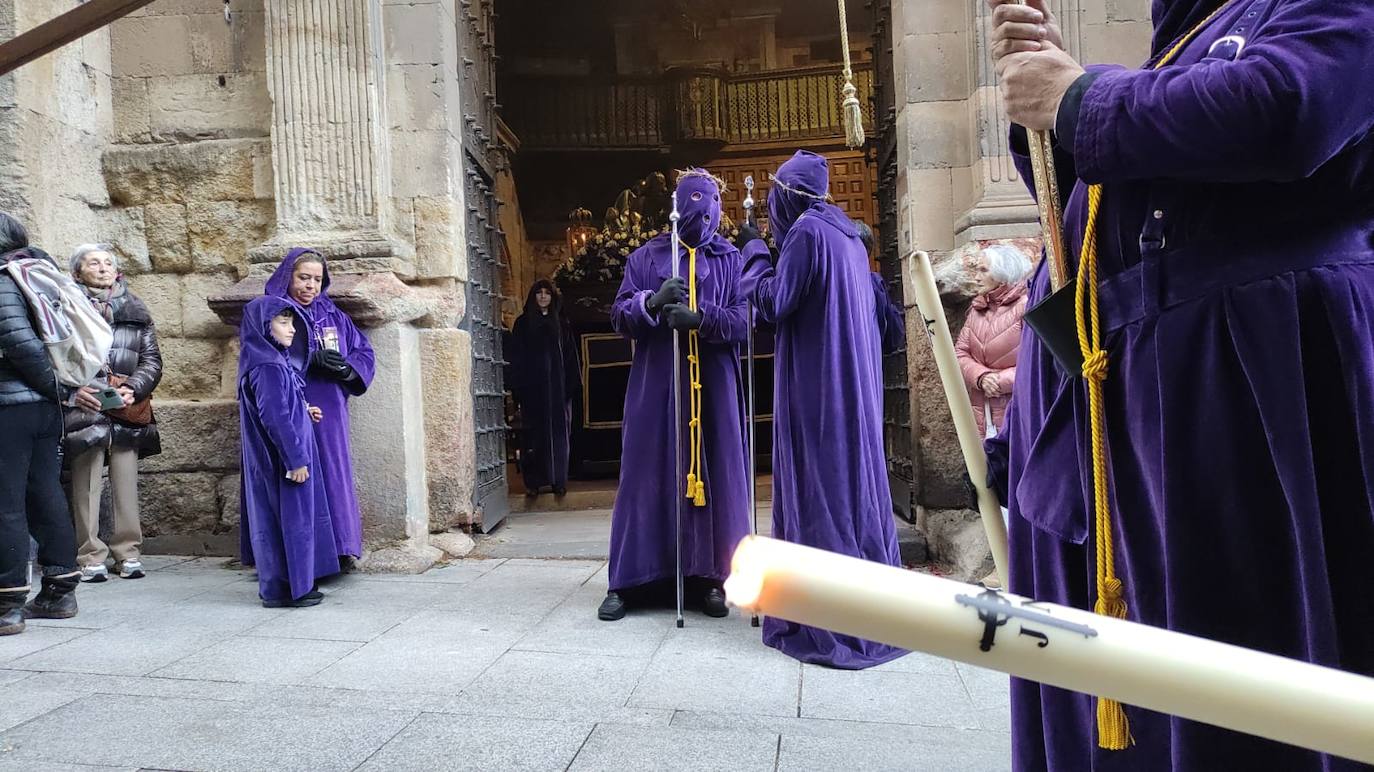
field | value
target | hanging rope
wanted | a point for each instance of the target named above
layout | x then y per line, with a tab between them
696	486
1113	728
853	111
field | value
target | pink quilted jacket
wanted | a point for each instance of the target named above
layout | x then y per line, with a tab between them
988	344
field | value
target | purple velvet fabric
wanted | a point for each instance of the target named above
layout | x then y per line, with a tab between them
829	472
331	396
1237	258
285	529
642	524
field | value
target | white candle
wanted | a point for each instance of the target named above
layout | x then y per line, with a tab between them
960	408
1228	686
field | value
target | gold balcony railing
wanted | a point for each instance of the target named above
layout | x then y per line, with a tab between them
682	106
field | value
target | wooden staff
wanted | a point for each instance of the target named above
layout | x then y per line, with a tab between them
970	441
1228	686
1051	211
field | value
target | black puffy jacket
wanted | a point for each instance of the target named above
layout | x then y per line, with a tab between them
26	374
133	354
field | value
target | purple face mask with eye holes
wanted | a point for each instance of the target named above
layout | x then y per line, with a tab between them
698	203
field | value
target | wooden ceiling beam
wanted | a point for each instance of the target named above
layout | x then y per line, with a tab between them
55	33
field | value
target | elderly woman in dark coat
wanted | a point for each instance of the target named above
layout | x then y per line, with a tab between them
134	368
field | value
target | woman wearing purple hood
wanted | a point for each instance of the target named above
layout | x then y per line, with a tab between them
650	305
338	364
830	473
1232	183
285	512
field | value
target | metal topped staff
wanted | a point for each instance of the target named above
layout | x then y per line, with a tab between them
677	416
753	457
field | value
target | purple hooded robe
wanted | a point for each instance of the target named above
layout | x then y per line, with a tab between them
331	396
285	526
642	523
830	487
1236	251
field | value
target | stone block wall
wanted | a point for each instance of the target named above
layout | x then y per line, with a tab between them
189	166
54	121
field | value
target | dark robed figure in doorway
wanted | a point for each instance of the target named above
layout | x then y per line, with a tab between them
545	378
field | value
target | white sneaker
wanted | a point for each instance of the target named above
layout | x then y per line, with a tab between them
131	569
96	573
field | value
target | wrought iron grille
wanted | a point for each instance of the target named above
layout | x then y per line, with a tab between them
898	439
477	73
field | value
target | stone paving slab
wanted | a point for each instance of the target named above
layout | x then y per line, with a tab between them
816	754
891	697
543	685
168	733
716	668
259	660
573	629
500	664
433	742
643	749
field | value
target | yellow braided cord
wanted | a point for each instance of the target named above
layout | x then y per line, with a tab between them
1113	728
696	485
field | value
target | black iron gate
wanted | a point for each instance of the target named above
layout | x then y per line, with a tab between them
897	432
477	30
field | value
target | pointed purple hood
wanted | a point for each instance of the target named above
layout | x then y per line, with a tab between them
808	177
257	347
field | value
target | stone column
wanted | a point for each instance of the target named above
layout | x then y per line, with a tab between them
330	149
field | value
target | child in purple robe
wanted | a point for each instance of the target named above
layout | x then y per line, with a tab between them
285	526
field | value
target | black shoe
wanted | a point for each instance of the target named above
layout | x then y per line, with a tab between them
57	599
12	611
612	608
529	494
560	491
713	604
311	598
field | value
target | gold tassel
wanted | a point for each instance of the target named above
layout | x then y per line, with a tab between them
852	109
1113	727
696	487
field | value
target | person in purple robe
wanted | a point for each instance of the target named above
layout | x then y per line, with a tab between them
544	378
1235	251
650	305
285	525
339	364
834	322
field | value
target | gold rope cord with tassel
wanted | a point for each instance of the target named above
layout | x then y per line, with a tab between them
1113	728
696	485
853	111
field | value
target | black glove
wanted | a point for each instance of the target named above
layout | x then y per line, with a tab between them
673	290
331	364
681	317
747	233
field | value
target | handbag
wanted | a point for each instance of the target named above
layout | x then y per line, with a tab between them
139	413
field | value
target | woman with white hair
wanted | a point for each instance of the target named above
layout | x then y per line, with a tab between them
123	434
988	343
